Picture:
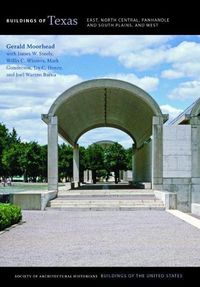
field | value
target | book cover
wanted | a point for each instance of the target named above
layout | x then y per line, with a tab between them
100	130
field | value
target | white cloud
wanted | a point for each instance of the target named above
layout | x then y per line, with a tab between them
104	45
20	113
187	90
184	52
173	112
140	51
37	92
35	86
184	59
30	129
132	51
147	83
188	69
143	59
171	74
23	100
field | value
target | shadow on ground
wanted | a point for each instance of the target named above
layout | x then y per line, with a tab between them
109	185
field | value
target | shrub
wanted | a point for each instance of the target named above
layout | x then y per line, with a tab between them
9	215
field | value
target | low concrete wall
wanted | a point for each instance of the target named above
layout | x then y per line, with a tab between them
168	198
182	187
36	200
196	209
26	200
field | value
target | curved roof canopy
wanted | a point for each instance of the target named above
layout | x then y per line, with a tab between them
195	112
185	117
105	103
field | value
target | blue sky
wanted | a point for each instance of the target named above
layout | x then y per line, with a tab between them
167	67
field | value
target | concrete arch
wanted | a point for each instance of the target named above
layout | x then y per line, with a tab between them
104	103
110	126
105	83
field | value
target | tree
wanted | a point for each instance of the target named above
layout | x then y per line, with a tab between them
82	162
65	162
11	160
115	159
43	163
11	151
129	155
30	160
4	140
13	137
95	160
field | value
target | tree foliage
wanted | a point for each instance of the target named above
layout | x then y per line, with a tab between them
129	155
95	159
115	159
30	159
82	161
11	160
65	162
7	142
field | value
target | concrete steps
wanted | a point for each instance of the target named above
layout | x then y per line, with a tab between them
107	204
106	200
134	192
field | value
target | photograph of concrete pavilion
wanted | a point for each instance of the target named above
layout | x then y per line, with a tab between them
129	107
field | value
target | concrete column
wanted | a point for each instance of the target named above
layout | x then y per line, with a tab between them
143	163
53	153
195	164
195	133
121	175
85	178
76	164
133	161
89	176
157	152
124	175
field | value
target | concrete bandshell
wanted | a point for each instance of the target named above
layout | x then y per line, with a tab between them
105	103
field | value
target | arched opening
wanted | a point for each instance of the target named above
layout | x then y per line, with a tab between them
105	134
108	156
105	103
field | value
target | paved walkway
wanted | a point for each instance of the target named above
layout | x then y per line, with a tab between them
104	238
